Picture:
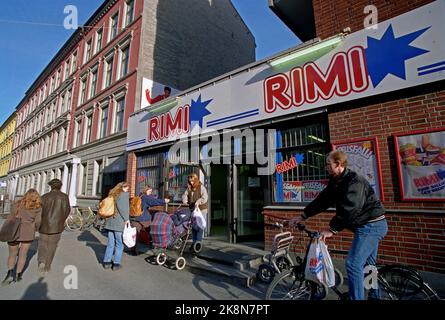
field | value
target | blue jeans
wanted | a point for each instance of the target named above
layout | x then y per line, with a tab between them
197	233
114	242
363	252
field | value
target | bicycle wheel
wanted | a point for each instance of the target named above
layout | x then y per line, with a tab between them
403	283
286	286
73	223
88	220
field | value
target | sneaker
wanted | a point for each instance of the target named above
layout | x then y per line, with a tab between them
106	265
41	266
117	267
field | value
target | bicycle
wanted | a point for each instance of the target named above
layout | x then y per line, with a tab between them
293	285
80	219
395	282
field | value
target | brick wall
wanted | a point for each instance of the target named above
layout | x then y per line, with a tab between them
131	172
414	238
331	17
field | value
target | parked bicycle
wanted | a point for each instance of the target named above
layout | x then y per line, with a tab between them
395	282
80	219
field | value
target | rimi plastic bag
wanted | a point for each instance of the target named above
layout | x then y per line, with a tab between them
129	236
319	265
199	218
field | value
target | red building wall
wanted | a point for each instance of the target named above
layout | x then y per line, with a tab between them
331	17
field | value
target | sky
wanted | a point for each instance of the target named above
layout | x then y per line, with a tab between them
27	48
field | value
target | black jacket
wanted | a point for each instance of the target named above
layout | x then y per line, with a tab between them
353	198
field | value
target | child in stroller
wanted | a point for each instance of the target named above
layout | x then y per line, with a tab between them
172	232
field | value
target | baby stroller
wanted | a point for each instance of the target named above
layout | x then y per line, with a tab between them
171	232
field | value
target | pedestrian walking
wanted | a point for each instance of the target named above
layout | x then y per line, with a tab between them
55	209
29	212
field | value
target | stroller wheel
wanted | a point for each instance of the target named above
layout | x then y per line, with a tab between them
180	263
265	273
161	258
197	247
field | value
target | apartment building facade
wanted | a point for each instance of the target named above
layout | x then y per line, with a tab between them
72	122
6	142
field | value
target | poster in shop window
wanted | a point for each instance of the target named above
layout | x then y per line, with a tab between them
420	159
363	158
292	191
311	189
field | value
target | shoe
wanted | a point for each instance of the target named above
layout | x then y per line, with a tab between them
19	277
117	267
106	265
9	278
41	266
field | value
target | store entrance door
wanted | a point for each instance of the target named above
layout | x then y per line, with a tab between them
220	202
249	199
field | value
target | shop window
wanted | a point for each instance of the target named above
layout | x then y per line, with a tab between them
300	163
177	180
149	172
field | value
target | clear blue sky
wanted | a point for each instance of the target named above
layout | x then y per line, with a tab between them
26	49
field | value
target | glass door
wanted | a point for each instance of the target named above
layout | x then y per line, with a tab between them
249	200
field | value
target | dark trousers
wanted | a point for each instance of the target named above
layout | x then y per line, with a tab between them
47	248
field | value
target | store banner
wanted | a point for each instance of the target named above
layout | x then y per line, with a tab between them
421	165
363	158
402	52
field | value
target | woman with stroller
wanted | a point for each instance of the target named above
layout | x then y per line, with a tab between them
115	226
196	195
29	211
143	221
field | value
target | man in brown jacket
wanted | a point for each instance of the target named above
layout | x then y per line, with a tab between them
55	210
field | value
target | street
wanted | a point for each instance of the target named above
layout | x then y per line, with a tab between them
138	279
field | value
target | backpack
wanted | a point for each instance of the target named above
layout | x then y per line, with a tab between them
106	207
136	206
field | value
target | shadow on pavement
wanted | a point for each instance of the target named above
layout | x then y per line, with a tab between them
36	291
93	242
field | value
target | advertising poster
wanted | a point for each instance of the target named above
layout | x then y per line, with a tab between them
311	189
421	165
363	158
292	191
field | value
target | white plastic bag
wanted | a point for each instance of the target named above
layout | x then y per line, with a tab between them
199	218
319	265
129	236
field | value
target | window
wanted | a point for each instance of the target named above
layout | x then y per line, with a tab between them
83	90
58	78
52	84
119	120
129	15
99	35
114	26
68	103
74	65
149	172
67	69
87	51
54	109
93	83
83	179
62	103
97	177
88	128
108	71
125	53
103	122
303	150
48	115
78	133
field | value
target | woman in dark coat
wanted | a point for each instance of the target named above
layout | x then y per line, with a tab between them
29	210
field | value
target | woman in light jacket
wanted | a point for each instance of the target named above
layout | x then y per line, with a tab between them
115	226
196	195
29	210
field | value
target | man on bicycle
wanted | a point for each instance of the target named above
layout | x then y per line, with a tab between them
358	210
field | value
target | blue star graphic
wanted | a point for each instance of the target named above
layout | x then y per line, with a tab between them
300	158
198	110
388	55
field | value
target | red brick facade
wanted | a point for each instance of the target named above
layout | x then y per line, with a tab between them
414	238
331	17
